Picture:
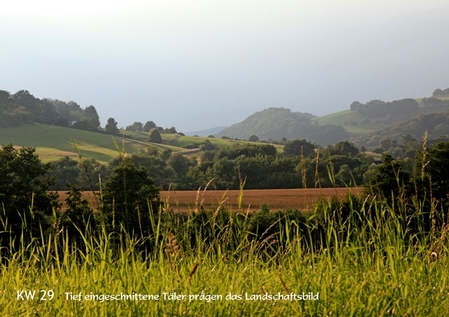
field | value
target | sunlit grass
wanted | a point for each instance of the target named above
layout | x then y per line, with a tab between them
52	141
372	269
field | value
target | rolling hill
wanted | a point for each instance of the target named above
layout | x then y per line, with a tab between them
53	142
49	125
279	123
364	124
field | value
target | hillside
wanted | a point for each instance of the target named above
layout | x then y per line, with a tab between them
363	119
362	123
436	125
53	142
52	125
279	123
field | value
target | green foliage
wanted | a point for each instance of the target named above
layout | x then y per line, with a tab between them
299	147
155	136
253	138
391	179
78	218
66	172
435	124
111	127
148	126
24	189
129	199
136	127
440	92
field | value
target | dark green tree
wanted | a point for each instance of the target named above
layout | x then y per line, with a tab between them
432	165
111	126
92	117
136	127
129	199
25	199
253	138
148	126
155	136
66	173
78	216
298	147
390	179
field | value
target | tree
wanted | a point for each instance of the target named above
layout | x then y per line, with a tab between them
148	126
136	127
111	126
155	136
434	170
24	191
82	124
92	117
298	147
253	138
78	217
66	173
225	173
61	122
343	148
129	199
390	179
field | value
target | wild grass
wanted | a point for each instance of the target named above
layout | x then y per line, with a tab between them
359	257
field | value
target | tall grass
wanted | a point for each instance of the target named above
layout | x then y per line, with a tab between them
360	256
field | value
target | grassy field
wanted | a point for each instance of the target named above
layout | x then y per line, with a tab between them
53	142
375	269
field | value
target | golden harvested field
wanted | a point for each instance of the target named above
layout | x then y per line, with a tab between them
185	201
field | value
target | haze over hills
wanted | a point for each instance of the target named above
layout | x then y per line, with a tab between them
279	123
205	132
364	124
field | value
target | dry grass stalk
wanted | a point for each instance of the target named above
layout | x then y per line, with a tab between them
283	284
193	272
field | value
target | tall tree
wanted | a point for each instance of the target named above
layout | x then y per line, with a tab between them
24	196
129	199
148	126
111	126
93	118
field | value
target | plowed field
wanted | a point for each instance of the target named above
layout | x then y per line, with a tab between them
185	201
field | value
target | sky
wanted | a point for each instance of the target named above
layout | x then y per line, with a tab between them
198	64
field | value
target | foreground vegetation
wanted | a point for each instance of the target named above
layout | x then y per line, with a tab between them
383	253
378	268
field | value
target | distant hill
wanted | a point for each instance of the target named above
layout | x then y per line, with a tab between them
206	132
362	119
436	125
23	108
363	123
279	123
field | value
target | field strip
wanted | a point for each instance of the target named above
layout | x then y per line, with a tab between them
191	200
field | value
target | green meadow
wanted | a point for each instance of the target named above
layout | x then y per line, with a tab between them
53	142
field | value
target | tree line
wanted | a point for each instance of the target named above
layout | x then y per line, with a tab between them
128	188
23	108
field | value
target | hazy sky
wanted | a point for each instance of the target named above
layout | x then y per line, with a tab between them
200	64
